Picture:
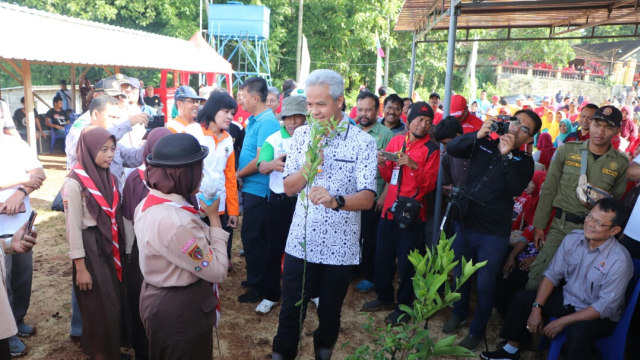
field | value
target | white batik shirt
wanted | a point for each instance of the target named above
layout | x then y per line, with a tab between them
349	167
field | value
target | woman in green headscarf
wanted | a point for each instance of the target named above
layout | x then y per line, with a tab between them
564	128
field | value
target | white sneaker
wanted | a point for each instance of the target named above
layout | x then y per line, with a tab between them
316	302
265	306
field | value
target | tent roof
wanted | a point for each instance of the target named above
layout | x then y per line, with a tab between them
42	37
621	50
422	15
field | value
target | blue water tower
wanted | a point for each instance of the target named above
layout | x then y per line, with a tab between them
240	33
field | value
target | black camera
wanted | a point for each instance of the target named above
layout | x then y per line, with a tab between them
501	126
155	121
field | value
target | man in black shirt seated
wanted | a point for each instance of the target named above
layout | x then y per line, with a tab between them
57	119
151	99
498	171
20	119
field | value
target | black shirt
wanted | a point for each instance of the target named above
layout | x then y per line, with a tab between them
60	118
19	118
153	101
237	134
493	181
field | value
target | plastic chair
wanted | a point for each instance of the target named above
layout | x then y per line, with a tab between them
612	346
55	137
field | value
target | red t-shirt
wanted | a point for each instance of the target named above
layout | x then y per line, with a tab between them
353	113
242	116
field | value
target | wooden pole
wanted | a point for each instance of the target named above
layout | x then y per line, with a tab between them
28	106
73	88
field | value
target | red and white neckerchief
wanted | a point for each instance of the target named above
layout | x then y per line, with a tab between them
109	210
156	200
216	294
141	170
153	200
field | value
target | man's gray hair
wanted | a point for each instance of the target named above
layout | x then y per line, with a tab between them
332	79
273	90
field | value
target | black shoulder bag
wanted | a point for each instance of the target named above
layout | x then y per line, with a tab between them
405	210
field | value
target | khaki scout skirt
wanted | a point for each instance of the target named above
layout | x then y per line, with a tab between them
179	320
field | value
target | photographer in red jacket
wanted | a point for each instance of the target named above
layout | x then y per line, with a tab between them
409	165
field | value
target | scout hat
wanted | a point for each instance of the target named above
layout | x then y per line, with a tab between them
177	150
186	92
610	114
293	105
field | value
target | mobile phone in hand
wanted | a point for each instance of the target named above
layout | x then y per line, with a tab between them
32	220
391	156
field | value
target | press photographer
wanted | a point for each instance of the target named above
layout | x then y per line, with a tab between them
498	171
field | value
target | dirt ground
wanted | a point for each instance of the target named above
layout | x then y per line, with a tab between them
242	333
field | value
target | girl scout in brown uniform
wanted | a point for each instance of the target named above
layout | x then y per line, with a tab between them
180	256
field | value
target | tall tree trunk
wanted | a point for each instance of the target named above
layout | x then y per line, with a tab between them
470	71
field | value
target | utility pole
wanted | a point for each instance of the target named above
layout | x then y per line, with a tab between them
299	49
388	54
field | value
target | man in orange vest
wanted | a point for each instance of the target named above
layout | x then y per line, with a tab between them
187	102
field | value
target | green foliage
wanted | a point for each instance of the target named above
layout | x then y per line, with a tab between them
400	82
557	52
340	34
411	338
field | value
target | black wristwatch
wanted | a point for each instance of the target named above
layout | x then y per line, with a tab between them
23	190
537	305
340	202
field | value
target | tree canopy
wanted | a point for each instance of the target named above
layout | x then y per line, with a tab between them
340	33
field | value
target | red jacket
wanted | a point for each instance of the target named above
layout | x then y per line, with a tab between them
427	155
471	123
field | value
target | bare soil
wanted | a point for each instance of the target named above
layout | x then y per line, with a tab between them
242	333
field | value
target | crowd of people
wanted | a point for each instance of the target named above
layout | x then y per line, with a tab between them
588	67
150	212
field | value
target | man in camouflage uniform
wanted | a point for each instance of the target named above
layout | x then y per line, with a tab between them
606	168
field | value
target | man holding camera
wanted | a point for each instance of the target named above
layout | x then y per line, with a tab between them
498	171
409	165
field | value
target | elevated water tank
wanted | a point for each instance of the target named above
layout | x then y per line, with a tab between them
237	19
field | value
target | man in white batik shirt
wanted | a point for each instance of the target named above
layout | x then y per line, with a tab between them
345	186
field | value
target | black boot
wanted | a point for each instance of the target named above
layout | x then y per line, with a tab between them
322	352
276	356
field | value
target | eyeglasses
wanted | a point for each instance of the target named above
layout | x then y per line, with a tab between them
597	222
188	100
393	108
524	129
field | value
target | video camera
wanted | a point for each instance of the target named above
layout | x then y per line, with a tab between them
501	125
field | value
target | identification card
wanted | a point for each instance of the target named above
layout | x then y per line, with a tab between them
394	176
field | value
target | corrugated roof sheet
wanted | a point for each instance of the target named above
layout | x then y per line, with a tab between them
620	50
488	14
44	37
